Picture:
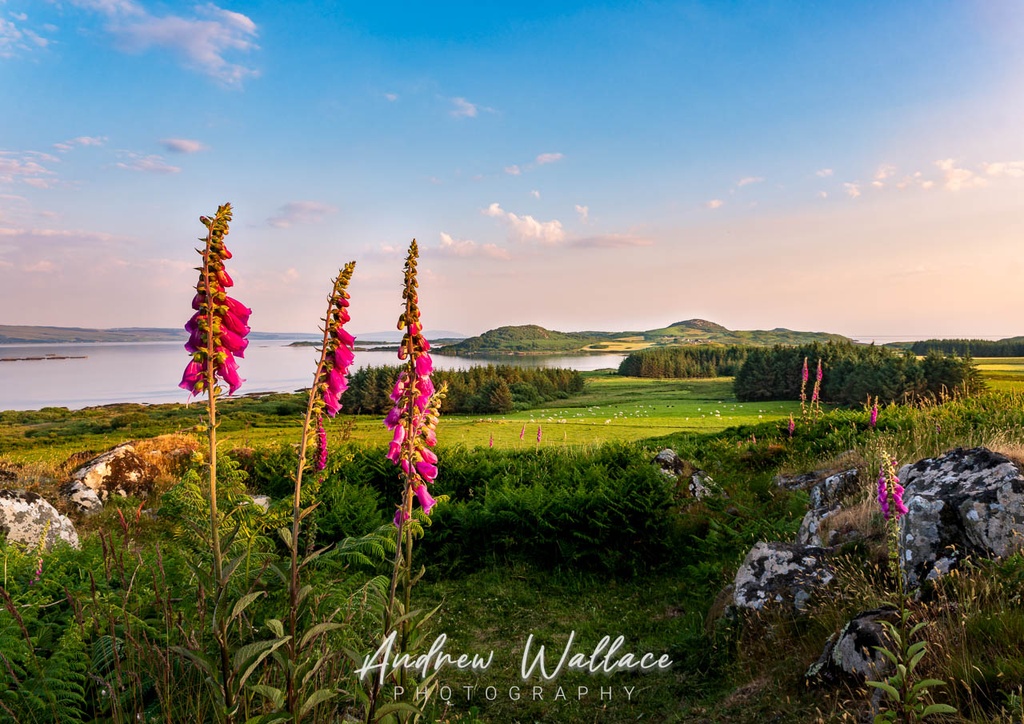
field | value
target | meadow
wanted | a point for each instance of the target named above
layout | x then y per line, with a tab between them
574	533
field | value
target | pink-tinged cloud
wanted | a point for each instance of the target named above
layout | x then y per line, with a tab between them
513	170
297	213
852	190
583	211
714	204
747	180
392	97
545	158
886	170
1013	169
527	228
823	172
957	179
145	163
65	146
535	194
469	248
183	145
463	108
26	168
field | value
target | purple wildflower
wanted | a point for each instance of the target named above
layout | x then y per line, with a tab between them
538	433
218	328
873	420
792	426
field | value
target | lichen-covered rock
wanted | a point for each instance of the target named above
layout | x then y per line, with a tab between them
669	463
853	653
702	485
780	573
810	527
28	519
120	471
964	503
830	491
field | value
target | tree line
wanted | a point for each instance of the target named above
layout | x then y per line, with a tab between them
491	389
1013	347
685	362
852	373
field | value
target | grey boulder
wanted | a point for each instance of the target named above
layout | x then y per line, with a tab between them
27	519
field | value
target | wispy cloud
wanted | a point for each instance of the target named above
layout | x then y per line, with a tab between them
301	213
747	180
548	158
583	211
852	189
392	97
65	146
610	241
513	170
957	179
469	248
823	172
463	108
27	168
714	204
145	163
535	193
527	228
201	40
183	145
15	39
1013	169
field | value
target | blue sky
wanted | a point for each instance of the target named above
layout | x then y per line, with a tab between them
849	167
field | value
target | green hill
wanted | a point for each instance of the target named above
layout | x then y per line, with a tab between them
532	339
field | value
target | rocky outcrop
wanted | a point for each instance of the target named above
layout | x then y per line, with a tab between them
964	503
27	519
120	471
781	573
670	464
852	655
699	484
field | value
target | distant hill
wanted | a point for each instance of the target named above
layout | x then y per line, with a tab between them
531	339
27	334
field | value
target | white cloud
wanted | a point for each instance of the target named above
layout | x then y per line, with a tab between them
301	212
1014	169
548	158
145	163
535	194
513	170
583	211
201	40
183	145
852	190
823	194
463	108
391	96
957	179
467	247
886	170
17	38
747	180
714	204
527	228
823	172
65	146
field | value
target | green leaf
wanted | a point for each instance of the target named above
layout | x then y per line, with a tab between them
919	646
286	536
394	707
887	654
317	697
275	695
917	658
243	603
276	626
937	709
918	627
887	688
248	657
926	684
320	628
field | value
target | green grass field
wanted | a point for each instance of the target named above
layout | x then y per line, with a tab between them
1004	374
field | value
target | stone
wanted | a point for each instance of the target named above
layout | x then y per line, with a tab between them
781	573
964	503
810	527
670	463
852	655
830	492
262	501
120	471
26	518
702	485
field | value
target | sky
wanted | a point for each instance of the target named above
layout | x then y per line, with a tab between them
849	167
